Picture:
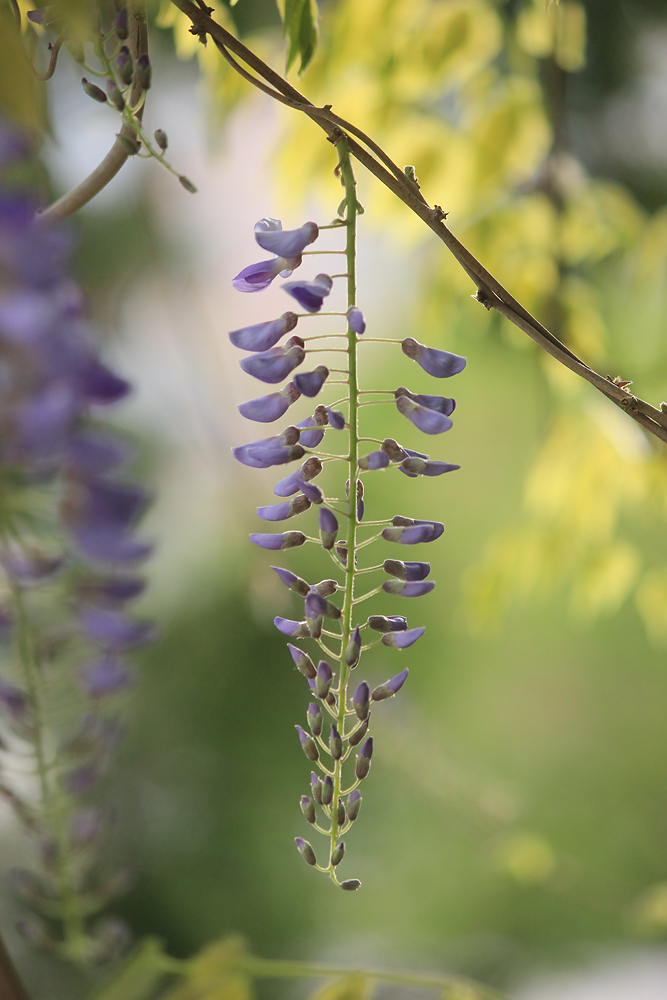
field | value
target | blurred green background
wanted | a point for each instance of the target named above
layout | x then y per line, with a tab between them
516	814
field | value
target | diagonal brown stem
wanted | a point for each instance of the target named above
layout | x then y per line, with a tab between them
489	291
11	987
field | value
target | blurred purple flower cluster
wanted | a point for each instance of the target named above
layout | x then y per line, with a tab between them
69	555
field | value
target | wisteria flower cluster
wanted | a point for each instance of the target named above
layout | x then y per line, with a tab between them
342	756
68	558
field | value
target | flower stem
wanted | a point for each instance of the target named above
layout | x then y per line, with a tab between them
349	183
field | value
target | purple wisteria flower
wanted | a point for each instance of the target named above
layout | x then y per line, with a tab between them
328	527
283	511
310	294
401	640
389	623
427	420
311	438
416	589
263	336
275	364
373	461
356	320
390	687
266	409
294	482
442	404
257	277
407	570
336	419
270	235
440	364
419	467
310	383
286	540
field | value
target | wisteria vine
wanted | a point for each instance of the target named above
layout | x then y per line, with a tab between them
336	794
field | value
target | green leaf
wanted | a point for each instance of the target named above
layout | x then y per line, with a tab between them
300	27
17	81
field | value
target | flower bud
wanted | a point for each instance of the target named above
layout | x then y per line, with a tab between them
327	790
292	581
353	651
94	91
315	718
336	419
187	184
417	589
161	138
353	805
356	320
407	570
314	493
323	679
307	744
363	762
316	788
325	588
374	460
335	743
307	852
338	853
303	661
393	450
143	72
308	808
361	700
401	640
315	626
120	24
391	688
296	630
115	95
340	813
341	552
124	65
357	736
351	884
415	466
310	383
328	528
440	364
286	540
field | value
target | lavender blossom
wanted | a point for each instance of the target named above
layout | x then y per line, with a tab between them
296	630
308	744
442	404
336	419
263	336
274	365
440	364
356	320
353	804
363	762
407	570
310	383
361	700
328	528
391	687
302	661
427	420
374	460
257	277
293	483
315	718
266	409
270	236
419	467
310	438
323	679
417	589
390	623
412	535
286	540
291	581
401	640
310	294
283	511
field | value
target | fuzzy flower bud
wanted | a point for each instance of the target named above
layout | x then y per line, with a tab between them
417	589
308	744
328	528
363	763
407	570
283	511
310	383
356	320
307	852
263	336
327	790
291	581
286	540
353	651
440	364
120	24
323	679
270	235
124	65
351	884
401	640
115	95
303	661
308	808
335	743
310	294
316	788
356	737
143	72
93	91
296	630
266	409
315	718
374	460
389	623
391	687
338	853
361	700
162	140
353	804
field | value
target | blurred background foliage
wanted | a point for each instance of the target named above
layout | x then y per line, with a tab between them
517	812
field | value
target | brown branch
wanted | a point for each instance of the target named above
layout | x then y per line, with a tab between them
91	185
11	987
489	291
53	61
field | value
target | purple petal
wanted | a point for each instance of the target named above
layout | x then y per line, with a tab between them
94	454
440	403
262	336
266	409
286	540
407	570
100	517
98	384
374	460
411	535
113	591
391	623
282	511
298	630
315	606
287	243
438	468
310	294
114	631
310	383
416	589
312	492
292	483
259	455
292	581
356	319
274	365
256	277
328	527
397	682
105	677
336	419
311	438
428	421
440	364
30	567
401	640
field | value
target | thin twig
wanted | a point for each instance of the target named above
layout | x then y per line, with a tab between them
53	61
490	292
80	195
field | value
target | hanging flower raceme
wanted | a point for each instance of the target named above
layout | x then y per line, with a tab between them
69	557
335	738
